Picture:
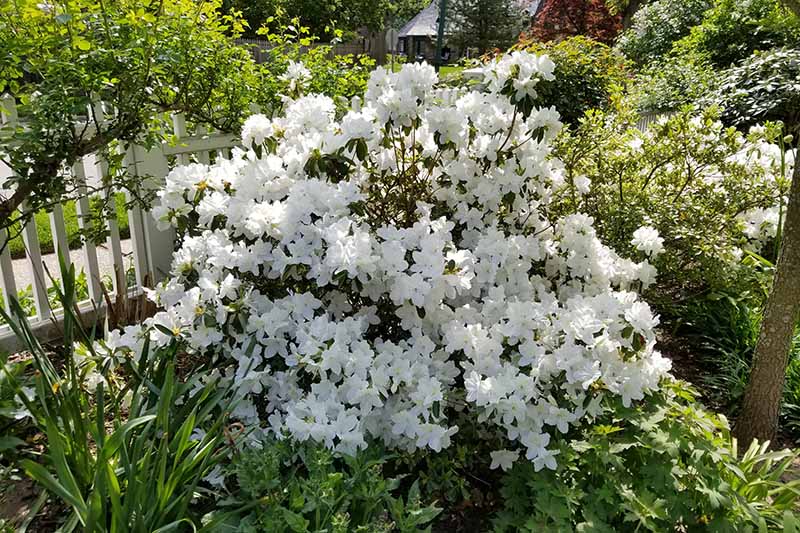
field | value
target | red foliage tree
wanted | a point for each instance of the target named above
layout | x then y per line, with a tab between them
557	19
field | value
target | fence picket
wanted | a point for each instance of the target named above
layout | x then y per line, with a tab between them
153	166
179	127
136	225
9	284
82	208
113	242
39	280
58	229
202	132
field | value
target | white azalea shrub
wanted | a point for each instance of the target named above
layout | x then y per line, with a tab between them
373	276
684	191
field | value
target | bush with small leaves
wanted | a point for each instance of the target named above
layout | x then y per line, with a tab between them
657	25
586	74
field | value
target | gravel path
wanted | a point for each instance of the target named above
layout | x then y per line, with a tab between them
24	275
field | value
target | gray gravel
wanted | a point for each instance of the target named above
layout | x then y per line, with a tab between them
23	274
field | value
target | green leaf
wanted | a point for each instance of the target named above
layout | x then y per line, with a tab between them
40	474
296	522
81	44
8	442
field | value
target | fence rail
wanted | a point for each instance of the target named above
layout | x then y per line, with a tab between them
150	249
260	48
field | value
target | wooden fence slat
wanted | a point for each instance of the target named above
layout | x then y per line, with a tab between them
136	225
152	166
113	242
179	129
83	210
39	281
29	235
7	281
202	132
58	229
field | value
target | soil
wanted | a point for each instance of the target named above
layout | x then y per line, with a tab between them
19	496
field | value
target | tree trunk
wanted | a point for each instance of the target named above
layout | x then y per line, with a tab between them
627	14
762	399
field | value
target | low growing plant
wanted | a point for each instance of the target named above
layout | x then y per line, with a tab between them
123	457
305	488
660	465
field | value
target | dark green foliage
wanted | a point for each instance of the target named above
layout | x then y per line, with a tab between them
723	328
586	74
671	83
305	487
733	29
660	465
483	25
764	87
657	25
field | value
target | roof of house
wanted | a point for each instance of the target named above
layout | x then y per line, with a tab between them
530	6
425	24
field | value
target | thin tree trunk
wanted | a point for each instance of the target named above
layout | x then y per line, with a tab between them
627	14
762	399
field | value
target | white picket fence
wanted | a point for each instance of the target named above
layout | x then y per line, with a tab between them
151	249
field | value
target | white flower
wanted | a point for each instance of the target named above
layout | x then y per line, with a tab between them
256	129
296	76
503	459
647	240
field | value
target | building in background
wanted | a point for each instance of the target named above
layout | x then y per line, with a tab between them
417	39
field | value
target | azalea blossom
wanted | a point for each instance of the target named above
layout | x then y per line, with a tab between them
379	275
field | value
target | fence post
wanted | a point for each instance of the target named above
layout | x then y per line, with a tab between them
8	284
152	166
29	235
113	242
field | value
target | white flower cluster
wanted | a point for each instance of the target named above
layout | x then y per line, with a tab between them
296	77
646	239
378	275
760	225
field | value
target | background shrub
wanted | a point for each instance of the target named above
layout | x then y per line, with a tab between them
586	73
688	176
671	82
733	29
657	25
766	86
